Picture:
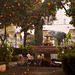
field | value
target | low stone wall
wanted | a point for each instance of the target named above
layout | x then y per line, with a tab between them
45	49
40	50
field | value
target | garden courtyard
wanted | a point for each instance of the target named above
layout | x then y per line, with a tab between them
31	43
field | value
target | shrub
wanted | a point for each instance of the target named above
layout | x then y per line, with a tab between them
31	42
24	50
68	59
5	53
68	62
28	49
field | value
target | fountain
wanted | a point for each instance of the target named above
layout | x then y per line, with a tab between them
47	42
46	48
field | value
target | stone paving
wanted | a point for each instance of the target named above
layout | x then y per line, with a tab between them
34	71
26	70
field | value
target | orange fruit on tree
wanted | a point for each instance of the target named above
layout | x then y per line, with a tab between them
6	7
10	14
39	2
12	6
24	72
18	4
1	16
4	4
53	71
49	4
27	69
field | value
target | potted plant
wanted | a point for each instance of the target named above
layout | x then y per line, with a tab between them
5	55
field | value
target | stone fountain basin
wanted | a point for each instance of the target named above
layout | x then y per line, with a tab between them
45	49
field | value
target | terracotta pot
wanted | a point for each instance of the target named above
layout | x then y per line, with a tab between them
2	66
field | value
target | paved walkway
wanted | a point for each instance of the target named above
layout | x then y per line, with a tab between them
19	70
34	71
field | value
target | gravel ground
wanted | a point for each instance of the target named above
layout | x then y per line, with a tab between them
33	71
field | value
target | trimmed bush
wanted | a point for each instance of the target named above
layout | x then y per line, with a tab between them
24	50
68	59
68	63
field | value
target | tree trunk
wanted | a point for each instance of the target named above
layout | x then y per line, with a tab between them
59	43
7	66
4	36
38	34
25	36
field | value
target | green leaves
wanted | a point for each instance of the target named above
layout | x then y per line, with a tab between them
5	53
68	59
60	49
68	36
27	50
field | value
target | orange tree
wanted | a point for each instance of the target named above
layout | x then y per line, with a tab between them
70	12
17	12
2	23
47	8
23	10
26	13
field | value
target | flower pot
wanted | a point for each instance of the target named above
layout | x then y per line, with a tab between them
2	67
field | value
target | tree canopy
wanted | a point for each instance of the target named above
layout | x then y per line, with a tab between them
19	10
25	13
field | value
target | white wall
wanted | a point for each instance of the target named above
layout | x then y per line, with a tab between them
62	18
